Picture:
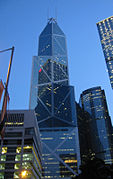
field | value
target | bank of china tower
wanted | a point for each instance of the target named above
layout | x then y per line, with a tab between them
53	100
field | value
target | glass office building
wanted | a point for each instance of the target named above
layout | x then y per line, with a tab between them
90	145
105	28
54	103
93	101
20	151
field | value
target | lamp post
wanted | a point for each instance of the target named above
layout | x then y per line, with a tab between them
2	122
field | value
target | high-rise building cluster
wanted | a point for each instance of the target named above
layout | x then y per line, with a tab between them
56	134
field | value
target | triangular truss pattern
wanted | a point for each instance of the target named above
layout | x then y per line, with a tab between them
61	104
55	103
44	105
59	44
53	152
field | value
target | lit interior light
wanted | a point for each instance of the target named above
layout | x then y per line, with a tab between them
27	147
70	161
4	150
24	173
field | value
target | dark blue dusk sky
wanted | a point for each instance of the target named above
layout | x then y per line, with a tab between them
21	22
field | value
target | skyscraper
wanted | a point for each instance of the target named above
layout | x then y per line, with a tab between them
90	145
105	28
93	101
54	103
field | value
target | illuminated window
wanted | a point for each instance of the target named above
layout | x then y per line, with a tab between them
27	157
17	166
16	175
1	175
47	138
62	138
18	158
26	165
70	138
70	161
18	150
4	150
27	149
2	166
3	157
25	174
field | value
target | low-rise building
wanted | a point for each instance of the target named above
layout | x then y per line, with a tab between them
20	151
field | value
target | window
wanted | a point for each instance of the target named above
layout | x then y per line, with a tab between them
4	150
2	175
27	149
2	166
26	165
28	142
16	175
29	131
18	150
3	157
27	157
18	158
17	166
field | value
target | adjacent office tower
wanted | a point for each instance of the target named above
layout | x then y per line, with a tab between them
20	151
90	144
93	101
105	29
54	103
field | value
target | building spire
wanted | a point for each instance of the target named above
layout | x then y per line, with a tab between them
52	20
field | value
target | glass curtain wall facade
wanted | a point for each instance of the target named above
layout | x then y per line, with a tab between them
53	100
90	145
105	29
94	101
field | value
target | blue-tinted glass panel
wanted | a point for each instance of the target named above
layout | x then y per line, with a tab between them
60	93
41	112
110	69
62	60
60	71
57	48
46	64
47	30
53	122
47	123
34	83
62	42
57	30
59	148
43	89
45	45
65	111
42	77
63	83
45	93
47	68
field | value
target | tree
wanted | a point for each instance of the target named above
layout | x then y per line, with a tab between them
95	168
